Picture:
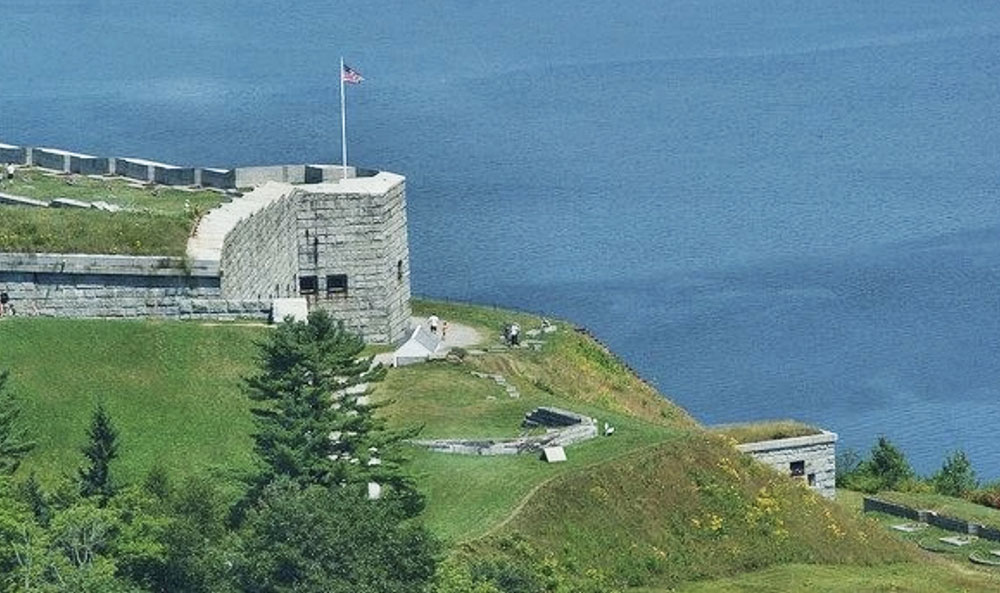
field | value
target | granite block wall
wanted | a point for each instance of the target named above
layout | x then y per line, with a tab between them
945	522
360	234
119	286
89	165
12	154
817	453
137	169
49	158
889	508
253	176
259	255
217	178
169	175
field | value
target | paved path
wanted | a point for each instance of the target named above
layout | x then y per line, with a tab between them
459	336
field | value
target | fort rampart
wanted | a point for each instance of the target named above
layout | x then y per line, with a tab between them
303	231
147	171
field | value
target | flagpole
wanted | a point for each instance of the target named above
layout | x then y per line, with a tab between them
343	121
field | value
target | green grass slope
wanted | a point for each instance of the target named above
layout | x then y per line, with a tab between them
662	504
173	391
158	220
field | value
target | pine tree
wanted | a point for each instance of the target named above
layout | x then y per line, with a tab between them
311	427
101	449
956	477
13	446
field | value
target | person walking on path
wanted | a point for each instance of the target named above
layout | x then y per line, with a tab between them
4	299
444	330
433	321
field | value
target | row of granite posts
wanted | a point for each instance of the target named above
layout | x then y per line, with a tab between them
147	171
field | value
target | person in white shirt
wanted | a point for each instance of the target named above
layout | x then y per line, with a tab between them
433	321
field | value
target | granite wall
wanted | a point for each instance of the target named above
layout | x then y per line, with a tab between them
816	453
931	518
148	171
259	254
67	285
357	229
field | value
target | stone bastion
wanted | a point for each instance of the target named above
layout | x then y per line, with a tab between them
303	231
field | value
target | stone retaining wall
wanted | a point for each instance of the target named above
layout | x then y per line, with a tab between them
816	453
66	285
945	522
584	430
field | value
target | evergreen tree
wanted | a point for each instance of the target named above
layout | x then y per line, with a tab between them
13	446
312	429
887	465
956	476
30	492
101	449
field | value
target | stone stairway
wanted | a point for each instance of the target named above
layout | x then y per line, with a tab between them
206	242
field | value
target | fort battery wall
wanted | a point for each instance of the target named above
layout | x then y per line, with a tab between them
148	171
812	459
68	285
306	231
341	245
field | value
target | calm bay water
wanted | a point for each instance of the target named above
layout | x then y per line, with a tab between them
772	209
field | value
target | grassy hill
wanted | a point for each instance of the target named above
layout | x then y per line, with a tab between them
173	390
662	504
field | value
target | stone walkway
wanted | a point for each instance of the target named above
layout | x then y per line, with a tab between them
206	243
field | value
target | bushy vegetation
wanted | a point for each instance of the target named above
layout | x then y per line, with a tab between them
306	522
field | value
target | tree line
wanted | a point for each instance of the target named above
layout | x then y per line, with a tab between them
328	508
886	468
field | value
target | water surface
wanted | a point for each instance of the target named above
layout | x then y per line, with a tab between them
771	208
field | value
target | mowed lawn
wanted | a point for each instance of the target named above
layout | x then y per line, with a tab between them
173	390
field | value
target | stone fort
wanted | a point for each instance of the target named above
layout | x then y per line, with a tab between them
303	231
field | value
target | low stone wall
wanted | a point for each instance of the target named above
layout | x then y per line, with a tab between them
217	178
814	457
890	508
580	428
148	171
69	162
12	154
67	285
945	522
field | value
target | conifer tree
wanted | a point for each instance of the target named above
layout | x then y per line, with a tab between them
13	445
101	449
311	428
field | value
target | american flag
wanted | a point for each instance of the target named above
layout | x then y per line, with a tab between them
350	75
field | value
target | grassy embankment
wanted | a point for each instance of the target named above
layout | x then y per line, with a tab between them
158	220
660	504
173	390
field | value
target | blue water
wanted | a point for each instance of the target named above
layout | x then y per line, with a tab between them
785	208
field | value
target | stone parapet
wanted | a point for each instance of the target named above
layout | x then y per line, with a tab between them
117	265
